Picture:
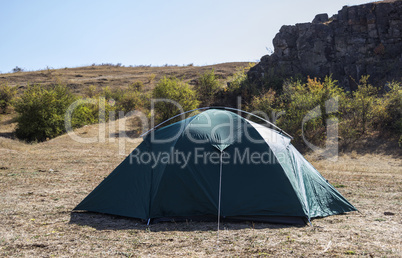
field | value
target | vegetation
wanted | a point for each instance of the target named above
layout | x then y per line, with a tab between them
359	113
207	88
379	108
177	91
133	100
41	112
363	113
17	69
7	94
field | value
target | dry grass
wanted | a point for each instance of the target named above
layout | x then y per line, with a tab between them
78	79
40	185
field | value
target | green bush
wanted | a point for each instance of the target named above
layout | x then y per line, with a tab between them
133	100
7	94
360	113
116	94
84	114
136	86
41	112
176	90
207	87
392	103
128	100
91	91
299	99
89	112
264	105
364	103
238	85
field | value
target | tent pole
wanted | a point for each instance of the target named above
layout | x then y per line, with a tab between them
224	108
220	193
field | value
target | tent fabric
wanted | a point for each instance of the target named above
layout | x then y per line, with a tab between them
174	173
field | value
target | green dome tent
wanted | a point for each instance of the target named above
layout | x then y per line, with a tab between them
216	163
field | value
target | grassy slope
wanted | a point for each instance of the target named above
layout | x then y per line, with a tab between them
79	78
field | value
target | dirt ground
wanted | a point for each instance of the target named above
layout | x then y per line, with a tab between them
41	183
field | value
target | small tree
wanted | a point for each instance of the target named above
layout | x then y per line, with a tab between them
133	100
176	90
299	99
364	102
17	69
7	94
264	103
391	106
207	87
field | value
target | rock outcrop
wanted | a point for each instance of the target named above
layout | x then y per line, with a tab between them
359	40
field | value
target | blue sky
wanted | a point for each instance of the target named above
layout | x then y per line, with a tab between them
57	34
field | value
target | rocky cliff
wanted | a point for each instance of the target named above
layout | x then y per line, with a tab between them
359	40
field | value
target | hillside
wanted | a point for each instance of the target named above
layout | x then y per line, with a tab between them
115	76
79	79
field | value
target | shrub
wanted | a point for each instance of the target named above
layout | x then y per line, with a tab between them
91	91
237	81
7	94
133	100
151	77
116	94
238	85
89	112
129	100
41	112
17	69
299	99
207	87
392	119
84	114
176	90
136	86
264	105
361	109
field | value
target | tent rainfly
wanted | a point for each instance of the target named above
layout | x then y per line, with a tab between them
216	164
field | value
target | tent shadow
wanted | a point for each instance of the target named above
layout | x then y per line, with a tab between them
112	222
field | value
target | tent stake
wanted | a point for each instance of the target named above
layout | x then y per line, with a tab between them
149	221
